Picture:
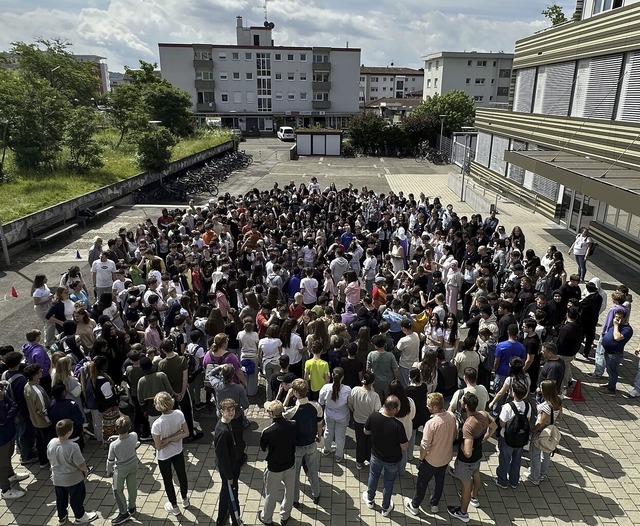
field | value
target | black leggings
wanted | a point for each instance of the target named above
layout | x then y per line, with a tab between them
177	461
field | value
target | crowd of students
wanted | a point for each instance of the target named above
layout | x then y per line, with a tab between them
388	313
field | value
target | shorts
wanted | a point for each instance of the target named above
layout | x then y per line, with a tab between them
464	471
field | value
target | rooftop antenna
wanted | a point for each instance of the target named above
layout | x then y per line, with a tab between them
266	18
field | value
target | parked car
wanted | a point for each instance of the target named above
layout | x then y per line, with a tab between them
286	133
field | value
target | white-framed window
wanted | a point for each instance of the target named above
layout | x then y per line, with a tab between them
206	97
202	55
248	56
374	79
361	79
204	75
235	56
321	96
321	77
248	75
224	97
251	97
278	95
467	80
384	79
374	90
291	96
302	76
435	83
224	76
320	57
291	76
278	76
478	98
277	56
428	83
479	81
290	57
428	66
303	95
303	57
237	97
236	75
481	63
222	55
384	88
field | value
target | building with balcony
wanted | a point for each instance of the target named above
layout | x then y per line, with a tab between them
257	86
485	77
389	82
570	138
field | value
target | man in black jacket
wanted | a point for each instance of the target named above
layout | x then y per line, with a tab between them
228	465
569	341
279	441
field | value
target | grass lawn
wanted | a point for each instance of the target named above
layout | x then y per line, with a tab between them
28	192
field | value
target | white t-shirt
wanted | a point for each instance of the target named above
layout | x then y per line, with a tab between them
164	427
409	347
42	292
309	286
506	413
104	272
580	245
270	348
248	340
294	350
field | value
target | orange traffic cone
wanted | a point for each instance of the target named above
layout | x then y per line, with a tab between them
576	395
14	292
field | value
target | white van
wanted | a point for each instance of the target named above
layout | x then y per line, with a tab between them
286	133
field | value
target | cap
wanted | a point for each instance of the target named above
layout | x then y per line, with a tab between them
286	378
274	407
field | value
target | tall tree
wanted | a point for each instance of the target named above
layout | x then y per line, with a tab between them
84	151
555	14
457	107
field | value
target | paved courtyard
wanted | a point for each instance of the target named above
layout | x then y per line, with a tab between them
593	479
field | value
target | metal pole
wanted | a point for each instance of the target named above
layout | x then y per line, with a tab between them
464	166
5	249
442	118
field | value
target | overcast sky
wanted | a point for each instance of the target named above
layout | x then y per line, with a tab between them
398	31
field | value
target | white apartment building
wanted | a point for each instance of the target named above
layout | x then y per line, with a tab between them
389	82
256	86
483	76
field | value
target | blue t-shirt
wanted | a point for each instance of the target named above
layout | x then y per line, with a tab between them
616	347
507	350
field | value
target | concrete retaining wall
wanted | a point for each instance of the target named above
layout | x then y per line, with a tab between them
17	232
480	203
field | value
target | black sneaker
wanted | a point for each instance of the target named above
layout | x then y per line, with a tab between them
316	500
456	512
121	519
296	504
131	511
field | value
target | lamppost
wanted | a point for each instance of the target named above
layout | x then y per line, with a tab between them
468	131
442	118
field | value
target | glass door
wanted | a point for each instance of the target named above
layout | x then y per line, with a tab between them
565	206
575	212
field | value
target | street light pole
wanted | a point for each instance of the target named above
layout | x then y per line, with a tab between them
442	118
468	131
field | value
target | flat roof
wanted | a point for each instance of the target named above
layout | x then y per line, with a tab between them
232	46
467	54
389	70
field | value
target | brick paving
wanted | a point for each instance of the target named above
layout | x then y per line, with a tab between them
593	479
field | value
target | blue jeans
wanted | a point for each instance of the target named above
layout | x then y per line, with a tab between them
582	266
540	462
509	460
25	437
600	361
375	470
613	361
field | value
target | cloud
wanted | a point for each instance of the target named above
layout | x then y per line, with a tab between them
385	30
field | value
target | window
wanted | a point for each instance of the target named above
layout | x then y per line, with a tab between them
202	55
291	96
605	5
384	88
237	97
251	97
248	75
384	79
235	56
290	57
321	57
504	73
236	75
278	76
493	81
303	95
224	76
222	56
479	81
277	56
610	216
502	92
467	81
205	97
303	76
278	95
478	98
374	79
481	63
264	104
469	62
224	97
428	83
437	65
303	57
321	96
204	75
495	63
428	66
256	40
361	79
321	77
413	79
374	90
435	83
248	56
291	76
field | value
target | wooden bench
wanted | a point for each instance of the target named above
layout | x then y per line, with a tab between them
96	206
50	228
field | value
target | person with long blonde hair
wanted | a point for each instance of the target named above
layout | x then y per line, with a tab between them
64	375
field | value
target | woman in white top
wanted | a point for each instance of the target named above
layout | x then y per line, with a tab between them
451	337
580	249
434	334
248	338
42	298
445	262
167	432
269	350
292	346
405	416
397	255
363	401
335	399
453	285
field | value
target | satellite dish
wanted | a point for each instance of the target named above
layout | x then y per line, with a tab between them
266	24
271	25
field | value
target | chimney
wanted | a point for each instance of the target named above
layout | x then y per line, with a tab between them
239	21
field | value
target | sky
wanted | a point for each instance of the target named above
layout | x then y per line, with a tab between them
387	31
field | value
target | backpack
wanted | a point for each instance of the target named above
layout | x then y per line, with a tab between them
211	366
548	439
487	355
460	418
195	367
10	382
517	430
592	248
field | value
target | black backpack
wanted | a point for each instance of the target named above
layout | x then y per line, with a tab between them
517	430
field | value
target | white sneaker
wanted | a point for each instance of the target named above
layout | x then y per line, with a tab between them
185	502
387	512
87	517
365	499
408	504
170	508
11	494
18	477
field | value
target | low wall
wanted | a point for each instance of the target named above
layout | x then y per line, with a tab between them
472	197
17	232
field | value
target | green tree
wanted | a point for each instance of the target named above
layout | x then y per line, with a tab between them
458	108
366	132
126	112
170	106
555	14
84	151
154	148
419	127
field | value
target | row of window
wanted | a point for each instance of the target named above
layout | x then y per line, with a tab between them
384	88
208	75
624	221
206	97
384	79
600	6
222	55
